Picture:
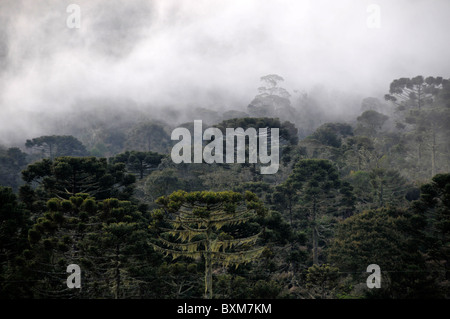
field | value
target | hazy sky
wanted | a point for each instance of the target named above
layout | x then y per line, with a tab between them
207	53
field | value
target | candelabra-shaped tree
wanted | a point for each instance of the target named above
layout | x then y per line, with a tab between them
208	225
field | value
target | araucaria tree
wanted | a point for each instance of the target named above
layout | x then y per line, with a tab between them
205	225
64	177
321	194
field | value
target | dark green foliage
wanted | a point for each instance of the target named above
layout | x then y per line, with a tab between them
14	224
317	185
331	134
370	122
148	137
384	237
416	92
433	215
206	225
139	163
322	280
288	132
372	190
12	161
65	176
423	106
107	239
55	146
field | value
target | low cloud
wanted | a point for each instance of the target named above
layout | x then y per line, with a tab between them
204	53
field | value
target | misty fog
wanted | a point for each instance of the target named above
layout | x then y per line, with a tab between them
161	59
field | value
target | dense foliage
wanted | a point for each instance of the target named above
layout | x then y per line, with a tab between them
373	190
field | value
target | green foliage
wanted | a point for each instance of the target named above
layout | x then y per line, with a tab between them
415	92
433	221
372	190
108	239
331	134
422	103
317	189
148	137
12	161
199	228
266	289
139	163
56	146
370	122
385	237
288	131
322	280
65	176
14	224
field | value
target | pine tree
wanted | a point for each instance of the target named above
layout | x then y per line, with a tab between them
139	163
14	224
107	239
386	237
433	210
318	187
56	145
64	177
423	116
117	249
201	228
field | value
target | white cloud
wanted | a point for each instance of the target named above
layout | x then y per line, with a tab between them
208	52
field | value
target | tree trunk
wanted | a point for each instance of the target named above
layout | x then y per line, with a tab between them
419	154
315	236
208	276
433	154
359	159
290	211
419	94
116	292
208	268
381	195
74	182
315	245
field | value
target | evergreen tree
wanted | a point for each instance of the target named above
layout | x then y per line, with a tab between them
56	146
272	100
12	162
107	239
139	163
370	123
433	210
14	225
64	177
199	229
317	184
385	237
322	281
424	117
57	240
121	262
148	137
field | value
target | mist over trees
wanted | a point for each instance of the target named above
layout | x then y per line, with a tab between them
348	193
91	93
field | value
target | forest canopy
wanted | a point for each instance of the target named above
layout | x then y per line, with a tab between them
371	190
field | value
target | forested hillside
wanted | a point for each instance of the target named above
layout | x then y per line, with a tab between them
354	189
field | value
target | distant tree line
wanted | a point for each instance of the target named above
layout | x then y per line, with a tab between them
372	190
